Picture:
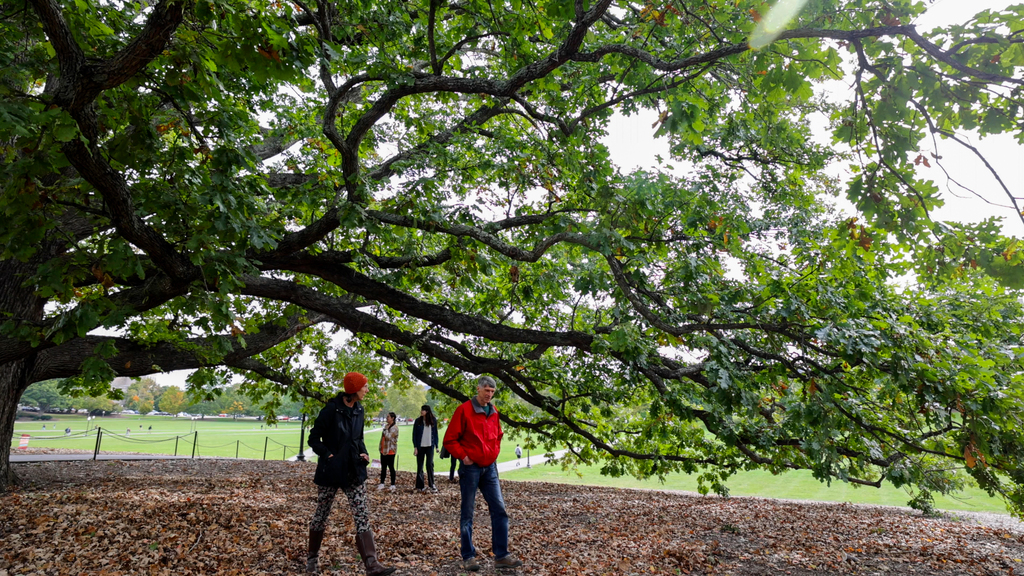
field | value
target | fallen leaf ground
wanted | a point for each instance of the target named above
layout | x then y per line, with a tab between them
190	517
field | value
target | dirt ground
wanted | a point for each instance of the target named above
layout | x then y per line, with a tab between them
250	517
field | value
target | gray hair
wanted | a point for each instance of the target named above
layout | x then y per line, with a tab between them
486	381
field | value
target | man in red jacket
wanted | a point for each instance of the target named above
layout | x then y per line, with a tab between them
474	437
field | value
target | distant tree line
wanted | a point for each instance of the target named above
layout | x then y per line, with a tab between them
145	395
48	397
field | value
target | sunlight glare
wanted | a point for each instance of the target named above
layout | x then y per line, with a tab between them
773	24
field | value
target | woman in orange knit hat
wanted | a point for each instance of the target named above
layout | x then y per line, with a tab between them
337	439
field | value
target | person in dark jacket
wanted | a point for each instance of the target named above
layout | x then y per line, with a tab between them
424	444
337	439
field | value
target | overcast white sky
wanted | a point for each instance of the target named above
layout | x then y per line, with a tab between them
633	146
1005	155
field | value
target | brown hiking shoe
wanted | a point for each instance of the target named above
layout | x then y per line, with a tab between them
508	562
471	564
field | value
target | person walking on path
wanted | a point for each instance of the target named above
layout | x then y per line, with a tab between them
388	448
424	442
474	437
519	454
337	440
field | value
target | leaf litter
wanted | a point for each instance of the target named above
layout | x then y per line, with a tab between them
244	517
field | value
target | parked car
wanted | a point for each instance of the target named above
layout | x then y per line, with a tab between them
128	412
184	415
161	414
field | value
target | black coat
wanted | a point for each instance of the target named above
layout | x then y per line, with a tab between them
338	430
417	433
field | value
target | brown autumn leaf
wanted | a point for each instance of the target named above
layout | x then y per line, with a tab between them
223	516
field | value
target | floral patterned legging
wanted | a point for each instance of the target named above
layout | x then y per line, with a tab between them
356	498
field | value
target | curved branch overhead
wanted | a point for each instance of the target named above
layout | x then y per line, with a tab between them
434	186
135	360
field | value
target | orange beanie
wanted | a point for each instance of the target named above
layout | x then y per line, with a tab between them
354	382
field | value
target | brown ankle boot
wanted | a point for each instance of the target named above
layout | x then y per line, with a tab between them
368	551
316	537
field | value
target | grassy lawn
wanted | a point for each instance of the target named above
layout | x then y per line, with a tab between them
223	436
217	437
158	435
798	485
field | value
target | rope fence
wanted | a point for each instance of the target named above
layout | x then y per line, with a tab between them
187	444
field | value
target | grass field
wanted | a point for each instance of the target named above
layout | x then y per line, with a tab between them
224	436
158	434
797	485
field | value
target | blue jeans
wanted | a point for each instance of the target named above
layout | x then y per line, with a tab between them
486	479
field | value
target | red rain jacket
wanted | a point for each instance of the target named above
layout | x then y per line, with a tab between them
475	435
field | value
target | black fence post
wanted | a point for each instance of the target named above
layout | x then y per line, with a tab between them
99	435
265	440
302	439
195	441
284	452
237	442
176	445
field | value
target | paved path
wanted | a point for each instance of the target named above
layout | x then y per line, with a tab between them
310	455
502	466
24	458
531	461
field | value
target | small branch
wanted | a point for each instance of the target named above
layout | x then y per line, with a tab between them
947	59
198	538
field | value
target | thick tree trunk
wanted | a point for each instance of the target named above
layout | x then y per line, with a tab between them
12	384
16	303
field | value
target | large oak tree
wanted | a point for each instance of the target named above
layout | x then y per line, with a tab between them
222	184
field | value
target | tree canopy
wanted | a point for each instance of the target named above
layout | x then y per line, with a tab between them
224	185
404	403
46	396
